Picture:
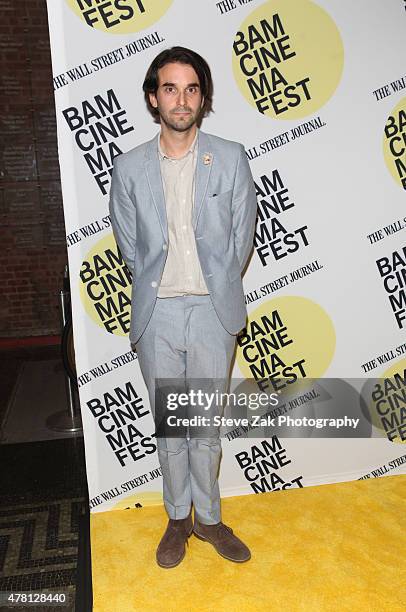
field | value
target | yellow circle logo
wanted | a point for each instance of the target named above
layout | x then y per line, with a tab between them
119	16
288	58
388	406
286	340
105	287
394	143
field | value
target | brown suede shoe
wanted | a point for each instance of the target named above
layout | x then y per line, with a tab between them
171	549
221	536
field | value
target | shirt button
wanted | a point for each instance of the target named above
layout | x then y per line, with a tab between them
184	201
154	284
164	246
184	228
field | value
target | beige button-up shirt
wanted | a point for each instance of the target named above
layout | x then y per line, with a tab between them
182	273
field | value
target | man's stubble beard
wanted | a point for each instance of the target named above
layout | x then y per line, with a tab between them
180	125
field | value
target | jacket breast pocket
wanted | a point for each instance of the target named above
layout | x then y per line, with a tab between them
221	198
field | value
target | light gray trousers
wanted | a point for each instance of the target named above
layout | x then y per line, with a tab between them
185	340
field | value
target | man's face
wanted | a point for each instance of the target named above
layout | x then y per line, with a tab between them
178	97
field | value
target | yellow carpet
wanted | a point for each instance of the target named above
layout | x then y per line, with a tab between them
328	548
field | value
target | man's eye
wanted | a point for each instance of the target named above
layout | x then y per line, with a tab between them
192	90
170	89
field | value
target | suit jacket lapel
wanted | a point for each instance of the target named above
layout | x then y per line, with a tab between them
203	168
153	171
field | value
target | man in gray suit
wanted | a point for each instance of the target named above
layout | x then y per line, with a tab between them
183	211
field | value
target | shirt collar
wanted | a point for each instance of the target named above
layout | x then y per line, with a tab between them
191	149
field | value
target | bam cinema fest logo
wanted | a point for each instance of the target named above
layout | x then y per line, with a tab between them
286	339
96	125
263	465
287	58
387	403
392	270
120	415
394	143
119	16
105	287
272	239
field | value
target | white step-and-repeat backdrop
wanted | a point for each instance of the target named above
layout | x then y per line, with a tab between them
316	92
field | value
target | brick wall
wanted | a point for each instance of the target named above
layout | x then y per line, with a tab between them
32	247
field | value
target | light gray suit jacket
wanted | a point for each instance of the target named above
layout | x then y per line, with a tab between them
223	221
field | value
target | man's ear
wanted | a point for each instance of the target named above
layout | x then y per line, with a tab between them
153	100
202	102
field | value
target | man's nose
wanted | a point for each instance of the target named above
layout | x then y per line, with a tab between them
181	98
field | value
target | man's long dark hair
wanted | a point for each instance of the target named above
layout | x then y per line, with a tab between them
180	55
